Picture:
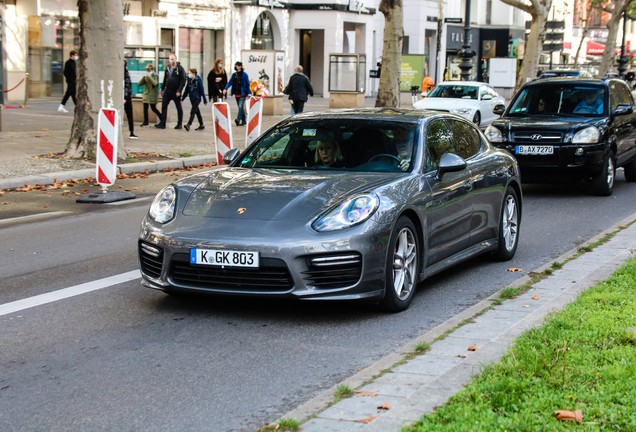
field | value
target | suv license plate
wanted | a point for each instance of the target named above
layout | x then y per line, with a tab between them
534	150
224	258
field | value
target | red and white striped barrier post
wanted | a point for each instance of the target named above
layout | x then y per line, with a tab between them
254	119
108	131
222	129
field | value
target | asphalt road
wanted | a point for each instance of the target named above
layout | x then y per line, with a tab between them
129	358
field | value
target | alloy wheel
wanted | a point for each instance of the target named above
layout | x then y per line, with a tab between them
510	223
610	172
404	263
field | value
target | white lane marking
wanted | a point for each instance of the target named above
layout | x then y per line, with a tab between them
34	216
130	201
84	288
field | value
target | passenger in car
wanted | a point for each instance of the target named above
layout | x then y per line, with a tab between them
592	103
328	154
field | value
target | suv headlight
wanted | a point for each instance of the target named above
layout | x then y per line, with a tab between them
461	111
589	135
162	208
493	134
348	213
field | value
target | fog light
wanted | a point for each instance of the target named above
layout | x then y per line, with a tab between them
580	151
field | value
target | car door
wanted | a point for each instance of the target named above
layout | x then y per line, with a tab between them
449	206
488	178
623	125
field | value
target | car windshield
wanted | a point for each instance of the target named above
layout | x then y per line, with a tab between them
583	100
455	91
335	144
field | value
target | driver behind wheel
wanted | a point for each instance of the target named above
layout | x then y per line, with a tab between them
404	147
328	154
592	103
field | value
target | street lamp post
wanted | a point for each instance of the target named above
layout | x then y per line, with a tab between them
466	53
622	61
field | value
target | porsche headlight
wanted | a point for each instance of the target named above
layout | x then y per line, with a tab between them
493	134
348	213
162	208
589	135
461	111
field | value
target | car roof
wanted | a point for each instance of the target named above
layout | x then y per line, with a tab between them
568	80
463	83
387	114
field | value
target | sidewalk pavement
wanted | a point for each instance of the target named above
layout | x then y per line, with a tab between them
32	132
415	387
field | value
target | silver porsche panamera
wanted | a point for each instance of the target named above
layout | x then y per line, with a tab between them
355	204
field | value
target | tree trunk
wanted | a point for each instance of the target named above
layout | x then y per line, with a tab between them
583	35
389	87
609	56
101	59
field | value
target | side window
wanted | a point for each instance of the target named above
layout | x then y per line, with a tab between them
492	92
615	98
624	95
438	142
483	91
465	138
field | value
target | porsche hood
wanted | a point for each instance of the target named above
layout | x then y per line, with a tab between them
277	195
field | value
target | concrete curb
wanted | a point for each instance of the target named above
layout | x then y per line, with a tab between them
131	168
319	403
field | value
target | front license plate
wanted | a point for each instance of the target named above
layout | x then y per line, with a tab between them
224	258
534	150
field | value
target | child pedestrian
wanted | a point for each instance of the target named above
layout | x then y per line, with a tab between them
194	88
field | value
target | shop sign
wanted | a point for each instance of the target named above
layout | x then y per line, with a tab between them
156	13
455	37
270	3
357	6
132	8
266	67
488	49
411	72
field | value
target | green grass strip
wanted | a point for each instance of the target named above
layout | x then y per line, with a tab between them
582	358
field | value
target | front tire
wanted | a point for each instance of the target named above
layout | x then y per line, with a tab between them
603	183
477	119
402	267
508	226
630	171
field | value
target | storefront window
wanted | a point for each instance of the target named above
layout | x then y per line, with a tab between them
196	49
133	33
262	36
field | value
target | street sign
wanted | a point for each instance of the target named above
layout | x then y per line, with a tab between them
554	36
454	20
374	73
430	18
553	46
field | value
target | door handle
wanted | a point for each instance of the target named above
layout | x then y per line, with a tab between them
500	172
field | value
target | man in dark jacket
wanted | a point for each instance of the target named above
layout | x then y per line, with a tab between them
70	73
299	88
128	108
174	79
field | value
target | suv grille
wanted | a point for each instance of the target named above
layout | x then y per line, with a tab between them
272	276
533	137
150	259
333	271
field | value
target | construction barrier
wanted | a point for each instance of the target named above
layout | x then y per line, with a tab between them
222	129
108	130
254	119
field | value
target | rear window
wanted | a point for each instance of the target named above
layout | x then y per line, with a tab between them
583	100
454	92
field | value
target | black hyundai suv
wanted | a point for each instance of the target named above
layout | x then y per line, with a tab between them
570	129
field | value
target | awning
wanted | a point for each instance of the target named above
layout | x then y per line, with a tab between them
595	48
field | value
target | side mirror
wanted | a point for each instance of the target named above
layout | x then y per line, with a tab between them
231	156
486	97
450	162
499	109
623	109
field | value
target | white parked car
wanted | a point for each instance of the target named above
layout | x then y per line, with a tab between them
470	99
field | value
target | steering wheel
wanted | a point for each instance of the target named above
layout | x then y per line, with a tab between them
398	160
584	110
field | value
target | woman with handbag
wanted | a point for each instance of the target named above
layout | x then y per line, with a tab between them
217	80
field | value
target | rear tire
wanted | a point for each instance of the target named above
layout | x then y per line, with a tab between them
509	222
603	183
477	119
630	171
402	267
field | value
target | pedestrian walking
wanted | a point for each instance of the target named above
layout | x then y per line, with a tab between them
128	108
70	73
240	84
217	80
174	79
150	82
195	90
299	88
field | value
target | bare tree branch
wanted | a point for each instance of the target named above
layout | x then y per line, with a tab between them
519	5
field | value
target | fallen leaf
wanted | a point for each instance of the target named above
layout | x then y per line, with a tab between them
385	406
366	393
4	202
368	419
473	348
514	269
135	188
536	297
558	253
77	193
463	355
525	306
46	206
85	190
565	415
127	189
44	129
11	250
33	164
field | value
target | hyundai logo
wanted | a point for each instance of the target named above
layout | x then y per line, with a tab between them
536	137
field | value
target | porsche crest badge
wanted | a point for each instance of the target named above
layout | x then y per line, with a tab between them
241	210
